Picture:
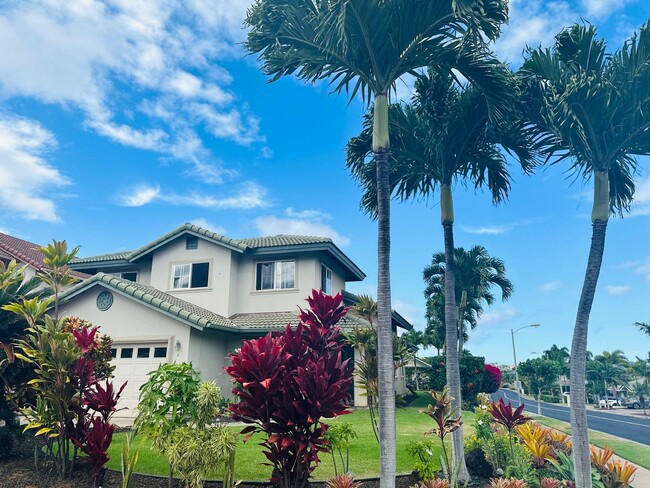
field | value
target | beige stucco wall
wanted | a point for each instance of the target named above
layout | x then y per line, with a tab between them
128	321
208	351
215	296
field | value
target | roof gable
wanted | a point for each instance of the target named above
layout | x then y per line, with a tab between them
21	250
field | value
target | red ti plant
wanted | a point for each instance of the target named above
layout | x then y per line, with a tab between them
505	415
98	440
287	382
447	421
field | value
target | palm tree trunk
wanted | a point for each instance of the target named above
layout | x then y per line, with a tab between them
579	428
451	329
387	434
539	401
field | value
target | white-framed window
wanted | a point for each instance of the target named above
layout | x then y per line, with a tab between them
326	279
275	275
190	275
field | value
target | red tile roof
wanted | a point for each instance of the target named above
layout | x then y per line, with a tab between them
26	252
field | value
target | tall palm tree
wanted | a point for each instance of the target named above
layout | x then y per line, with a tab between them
594	110
476	274
363	47
447	134
614	370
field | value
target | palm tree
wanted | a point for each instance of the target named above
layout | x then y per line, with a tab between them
640	389
614	366
562	356
415	338
643	327
476	273
363	47
447	134
593	109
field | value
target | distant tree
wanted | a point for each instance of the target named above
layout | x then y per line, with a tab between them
477	273
562	356
541	375
641	390
614	368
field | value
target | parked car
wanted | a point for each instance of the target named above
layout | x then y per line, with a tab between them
609	402
635	403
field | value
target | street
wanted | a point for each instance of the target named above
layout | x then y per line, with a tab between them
627	427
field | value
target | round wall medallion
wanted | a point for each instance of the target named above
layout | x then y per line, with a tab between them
104	300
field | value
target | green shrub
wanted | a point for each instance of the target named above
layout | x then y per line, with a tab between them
422	452
550	399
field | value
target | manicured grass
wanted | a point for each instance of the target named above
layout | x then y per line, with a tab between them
630	450
364	451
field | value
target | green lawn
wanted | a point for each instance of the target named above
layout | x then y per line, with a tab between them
364	451
630	450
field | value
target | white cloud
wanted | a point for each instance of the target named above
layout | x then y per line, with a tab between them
407	310
79	54
487	230
641	204
549	287
598	9
305	222
533	23
250	195
28	180
618	290
493	317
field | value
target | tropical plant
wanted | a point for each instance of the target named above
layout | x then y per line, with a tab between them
128	460
593	109
563	469
352	45
447	421
422	451
562	356
288	382
641	390
508	417
343	481
507	483
549	483
476	274
491	379
432	483
56	273
167	402
614	368
541	375
339	436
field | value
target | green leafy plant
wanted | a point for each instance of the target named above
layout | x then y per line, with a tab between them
339	437
563	469
422	451
128	460
175	412
521	467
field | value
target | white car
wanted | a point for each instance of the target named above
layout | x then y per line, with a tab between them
609	402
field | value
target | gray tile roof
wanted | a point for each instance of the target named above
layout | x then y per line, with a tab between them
182	309
283	240
199	316
115	256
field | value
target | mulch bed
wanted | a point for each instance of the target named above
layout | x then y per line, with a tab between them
18	471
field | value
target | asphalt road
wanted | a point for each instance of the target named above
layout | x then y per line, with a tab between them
632	428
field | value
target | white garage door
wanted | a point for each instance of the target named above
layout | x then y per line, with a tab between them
132	363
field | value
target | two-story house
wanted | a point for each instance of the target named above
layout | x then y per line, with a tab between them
193	295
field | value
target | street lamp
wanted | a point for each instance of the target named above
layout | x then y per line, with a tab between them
514	353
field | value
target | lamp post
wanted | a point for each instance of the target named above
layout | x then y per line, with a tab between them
514	353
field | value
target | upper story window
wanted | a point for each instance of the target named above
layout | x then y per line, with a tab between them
326	279
192	242
190	275
130	276
276	275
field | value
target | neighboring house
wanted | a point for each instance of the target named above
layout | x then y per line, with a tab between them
26	253
193	295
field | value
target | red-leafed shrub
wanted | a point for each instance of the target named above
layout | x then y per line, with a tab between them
491	379
287	382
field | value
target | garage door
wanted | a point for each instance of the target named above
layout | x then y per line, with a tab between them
132	363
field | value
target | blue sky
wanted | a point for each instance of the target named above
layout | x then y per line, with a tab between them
120	121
